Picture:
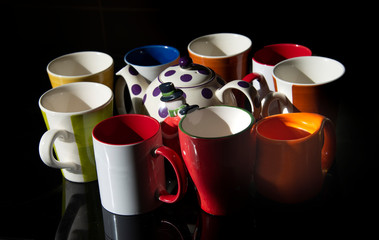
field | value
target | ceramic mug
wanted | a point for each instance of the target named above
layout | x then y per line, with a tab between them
216	144
151	60
81	67
265	59
224	53
70	112
293	153
130	165
146	63
310	83
263	63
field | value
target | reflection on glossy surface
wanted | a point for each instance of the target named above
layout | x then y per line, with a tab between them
143	226
81	219
211	227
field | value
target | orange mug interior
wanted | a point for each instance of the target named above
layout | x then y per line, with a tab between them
289	126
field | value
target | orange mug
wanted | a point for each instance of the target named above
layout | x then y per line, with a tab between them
294	152
224	53
311	83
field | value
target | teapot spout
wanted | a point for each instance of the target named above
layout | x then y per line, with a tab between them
137	86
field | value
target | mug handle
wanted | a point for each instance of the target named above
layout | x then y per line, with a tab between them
328	151
180	172
264	89
247	89
273	96
46	145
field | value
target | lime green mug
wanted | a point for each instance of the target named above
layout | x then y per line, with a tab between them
70	112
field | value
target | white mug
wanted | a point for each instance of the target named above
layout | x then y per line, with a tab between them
130	165
263	63
70	112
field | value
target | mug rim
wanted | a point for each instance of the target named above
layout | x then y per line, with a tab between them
106	90
55	60
173	49
258	59
217	35
281	116
307	58
99	125
219	137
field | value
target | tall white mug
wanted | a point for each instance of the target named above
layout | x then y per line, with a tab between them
70	112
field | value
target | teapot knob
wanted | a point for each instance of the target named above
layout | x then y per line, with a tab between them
185	62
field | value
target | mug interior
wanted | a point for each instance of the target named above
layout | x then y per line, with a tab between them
80	64
151	55
126	129
216	122
308	70
220	45
273	54
76	97
288	126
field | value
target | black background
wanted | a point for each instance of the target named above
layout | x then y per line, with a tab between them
35	32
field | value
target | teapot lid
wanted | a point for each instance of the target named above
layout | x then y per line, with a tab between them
187	74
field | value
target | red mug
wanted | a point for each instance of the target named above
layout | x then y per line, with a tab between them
216	144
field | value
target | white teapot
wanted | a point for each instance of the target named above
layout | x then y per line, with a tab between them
200	84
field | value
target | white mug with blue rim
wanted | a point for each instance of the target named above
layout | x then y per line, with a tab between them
147	63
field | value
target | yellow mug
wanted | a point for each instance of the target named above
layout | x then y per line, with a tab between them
86	66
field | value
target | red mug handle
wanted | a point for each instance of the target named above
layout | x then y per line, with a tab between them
251	76
261	80
328	150
177	163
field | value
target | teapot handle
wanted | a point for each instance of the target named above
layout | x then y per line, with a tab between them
247	89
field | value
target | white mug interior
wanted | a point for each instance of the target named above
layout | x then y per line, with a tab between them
216	122
76	97
219	45
311	70
80	64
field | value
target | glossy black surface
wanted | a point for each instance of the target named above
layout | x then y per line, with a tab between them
35	203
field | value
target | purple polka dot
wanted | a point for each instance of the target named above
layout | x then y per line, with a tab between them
170	73
144	99
136	89
156	91
243	84
163	112
133	71
186	77
207	93
184	95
